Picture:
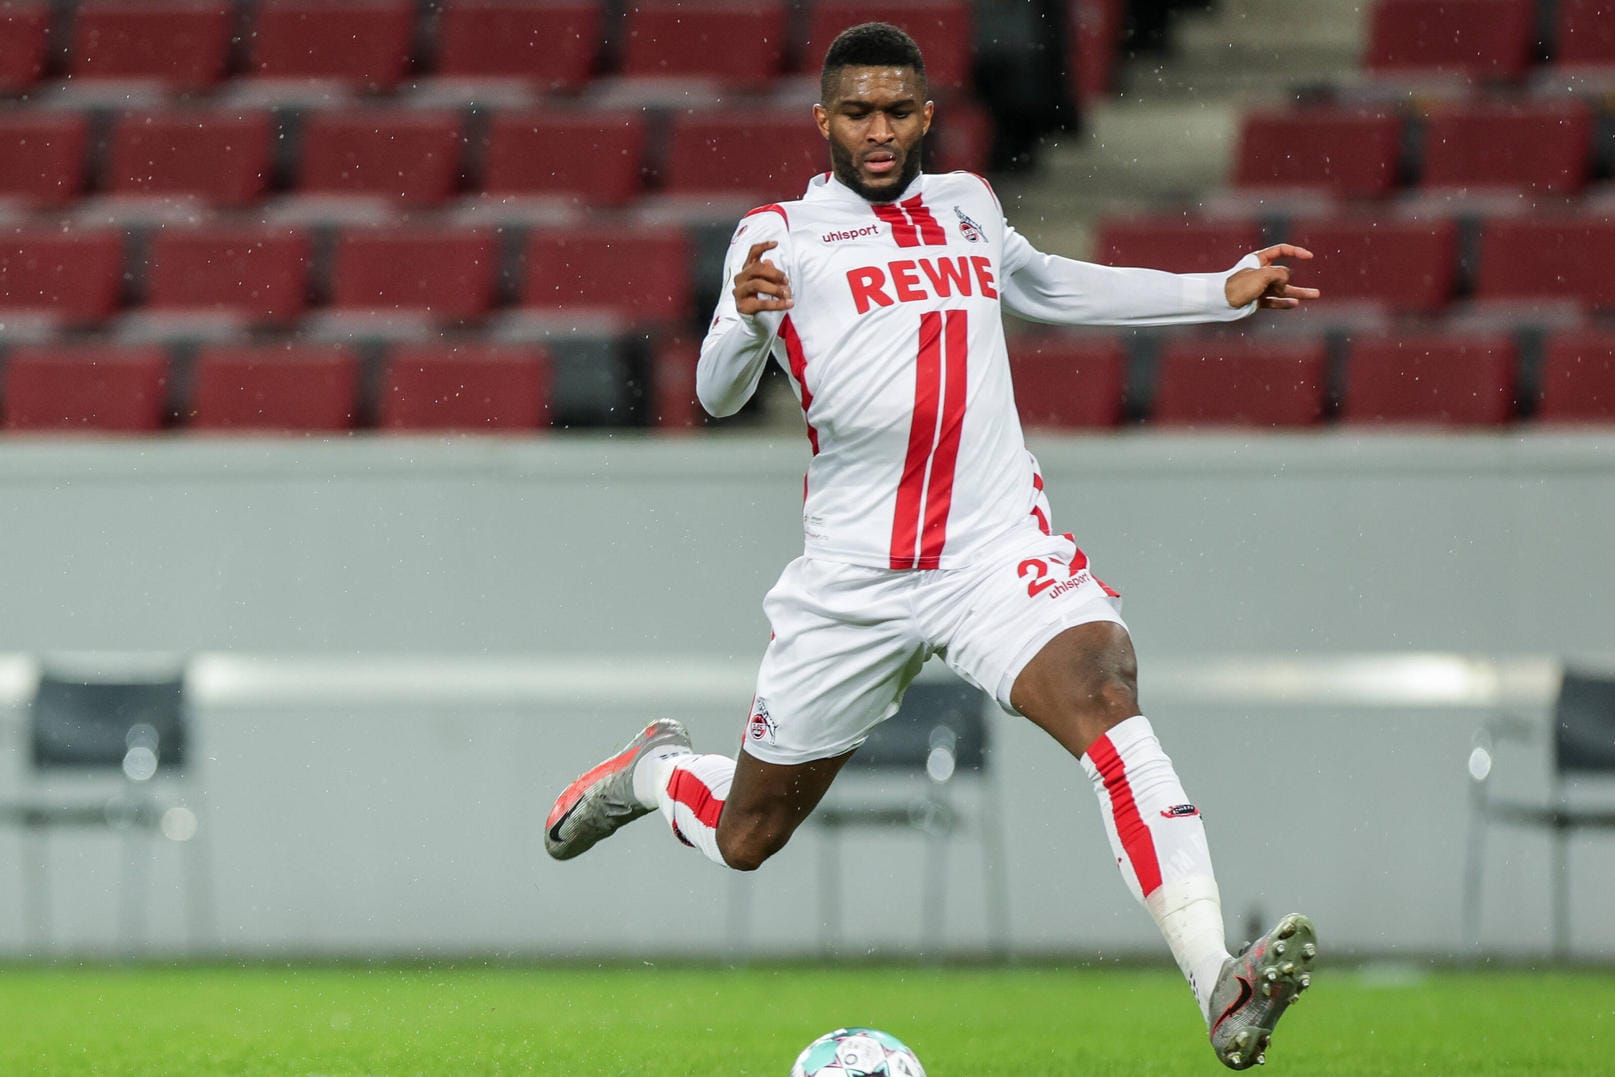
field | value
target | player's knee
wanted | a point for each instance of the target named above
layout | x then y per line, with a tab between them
1108	695
746	846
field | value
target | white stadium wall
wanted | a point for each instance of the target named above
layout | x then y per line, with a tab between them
403	648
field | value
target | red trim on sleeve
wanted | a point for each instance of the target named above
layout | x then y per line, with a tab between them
772	207
798	361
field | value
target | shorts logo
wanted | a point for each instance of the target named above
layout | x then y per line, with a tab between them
969	228
760	726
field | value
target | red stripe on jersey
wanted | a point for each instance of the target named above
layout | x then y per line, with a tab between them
772	207
1134	833
939	491
921	440
798	360
903	231
930	231
686	789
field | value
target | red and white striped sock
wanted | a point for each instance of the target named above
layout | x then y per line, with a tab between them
1160	845
690	790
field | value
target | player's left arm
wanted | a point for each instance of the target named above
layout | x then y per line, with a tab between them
1065	291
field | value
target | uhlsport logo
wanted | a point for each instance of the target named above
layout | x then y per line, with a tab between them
969	228
761	726
851	233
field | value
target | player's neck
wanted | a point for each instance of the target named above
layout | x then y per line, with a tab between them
834	187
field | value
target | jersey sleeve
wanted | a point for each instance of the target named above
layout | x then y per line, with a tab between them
737	346
1064	291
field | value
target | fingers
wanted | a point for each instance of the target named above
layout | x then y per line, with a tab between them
1269	255
761	285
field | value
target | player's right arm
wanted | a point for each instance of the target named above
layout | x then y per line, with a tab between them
738	344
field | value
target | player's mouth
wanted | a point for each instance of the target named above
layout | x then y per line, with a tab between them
880	162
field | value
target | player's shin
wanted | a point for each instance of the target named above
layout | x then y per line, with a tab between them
690	791
1160	844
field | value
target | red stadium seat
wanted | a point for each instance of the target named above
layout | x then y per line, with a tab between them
42	159
1585	33
259	274
77	276
1348	152
1176	244
673	404
302	387
24	29
448	275
554	44
1577	380
86	388
641	274
1536	147
182	43
1490	39
961	138
1548	258
768	155
944	30
737	43
1235	381
362	42
1406	265
596	157
222	157
1441	380
411	156
1093	38
1068	382
474	388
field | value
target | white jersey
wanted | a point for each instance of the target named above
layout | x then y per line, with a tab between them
895	348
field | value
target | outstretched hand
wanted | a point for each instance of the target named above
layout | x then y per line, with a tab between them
761	285
1269	285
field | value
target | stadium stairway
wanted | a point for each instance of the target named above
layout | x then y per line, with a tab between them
1167	136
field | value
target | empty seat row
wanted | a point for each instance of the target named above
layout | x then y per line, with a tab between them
308	388
554	44
1236	380
267	275
1544	147
1406	265
424	157
1486	39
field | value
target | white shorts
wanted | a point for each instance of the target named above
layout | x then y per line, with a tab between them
848	639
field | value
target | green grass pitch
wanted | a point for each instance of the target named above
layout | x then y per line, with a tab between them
651	1021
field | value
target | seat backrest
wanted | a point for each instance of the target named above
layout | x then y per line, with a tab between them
945	717
1584	723
554	45
1406	265
96	722
1480	38
23	31
1175	243
1351	152
362	42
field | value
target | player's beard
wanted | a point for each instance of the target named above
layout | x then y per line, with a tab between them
846	170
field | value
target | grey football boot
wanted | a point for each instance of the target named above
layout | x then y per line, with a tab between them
602	800
1256	987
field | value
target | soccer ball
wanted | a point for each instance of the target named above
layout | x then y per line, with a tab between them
857	1052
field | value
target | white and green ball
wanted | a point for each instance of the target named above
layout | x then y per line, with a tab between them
857	1052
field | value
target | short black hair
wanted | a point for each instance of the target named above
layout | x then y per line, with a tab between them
869	44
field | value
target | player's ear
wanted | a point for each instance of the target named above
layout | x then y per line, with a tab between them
821	116
930	110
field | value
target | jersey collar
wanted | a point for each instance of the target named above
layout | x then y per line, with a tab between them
825	187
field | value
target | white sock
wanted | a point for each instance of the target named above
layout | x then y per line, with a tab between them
690	790
653	770
1160	845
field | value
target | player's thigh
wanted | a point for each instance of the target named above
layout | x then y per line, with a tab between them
1026	592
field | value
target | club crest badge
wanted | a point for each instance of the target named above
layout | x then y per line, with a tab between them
969	228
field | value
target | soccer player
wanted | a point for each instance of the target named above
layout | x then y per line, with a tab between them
927	531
